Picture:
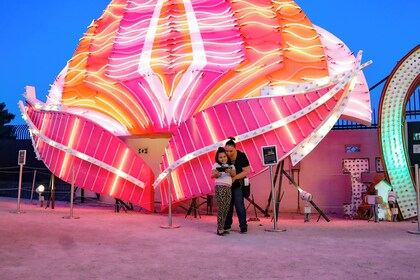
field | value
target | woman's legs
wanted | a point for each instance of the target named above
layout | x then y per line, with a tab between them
238	201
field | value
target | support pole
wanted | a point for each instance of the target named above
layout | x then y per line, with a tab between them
265	212
416	172
82	195
298	193
52	191
311	202
170	225
275	229
19	189
279	194
71	197
33	186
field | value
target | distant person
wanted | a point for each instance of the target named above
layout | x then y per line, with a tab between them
222	171
241	163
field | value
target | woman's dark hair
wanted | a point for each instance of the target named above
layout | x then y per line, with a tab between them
231	142
219	151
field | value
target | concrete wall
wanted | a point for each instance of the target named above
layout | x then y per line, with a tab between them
321	172
151	151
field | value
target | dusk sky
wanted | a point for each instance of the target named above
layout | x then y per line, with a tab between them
39	37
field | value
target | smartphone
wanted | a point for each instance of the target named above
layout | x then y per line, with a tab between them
221	169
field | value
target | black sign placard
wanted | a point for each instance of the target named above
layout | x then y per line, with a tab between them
22	157
269	155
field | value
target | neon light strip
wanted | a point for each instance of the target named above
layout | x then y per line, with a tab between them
300	37
320	56
285	126
66	157
119	173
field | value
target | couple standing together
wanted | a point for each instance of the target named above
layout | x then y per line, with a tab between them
229	171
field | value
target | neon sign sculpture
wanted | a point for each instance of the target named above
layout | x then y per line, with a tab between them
201	71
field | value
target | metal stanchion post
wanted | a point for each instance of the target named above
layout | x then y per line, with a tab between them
275	229
170	225
416	174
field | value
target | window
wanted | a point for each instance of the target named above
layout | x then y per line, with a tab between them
352	148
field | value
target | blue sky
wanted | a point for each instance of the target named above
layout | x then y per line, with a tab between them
39	37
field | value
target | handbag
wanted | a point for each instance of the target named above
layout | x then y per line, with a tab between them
246	189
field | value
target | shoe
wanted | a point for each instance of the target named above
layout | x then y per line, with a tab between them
219	233
226	232
227	229
244	230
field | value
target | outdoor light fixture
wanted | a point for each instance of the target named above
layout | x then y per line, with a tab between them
39	190
305	196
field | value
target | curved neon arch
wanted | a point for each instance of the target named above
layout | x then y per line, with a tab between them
402	82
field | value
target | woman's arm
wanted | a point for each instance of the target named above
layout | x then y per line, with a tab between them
232	172
243	174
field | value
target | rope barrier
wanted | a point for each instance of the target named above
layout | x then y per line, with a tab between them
17	167
27	167
30	190
27	172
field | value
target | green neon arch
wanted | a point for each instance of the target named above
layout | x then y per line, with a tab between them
401	84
